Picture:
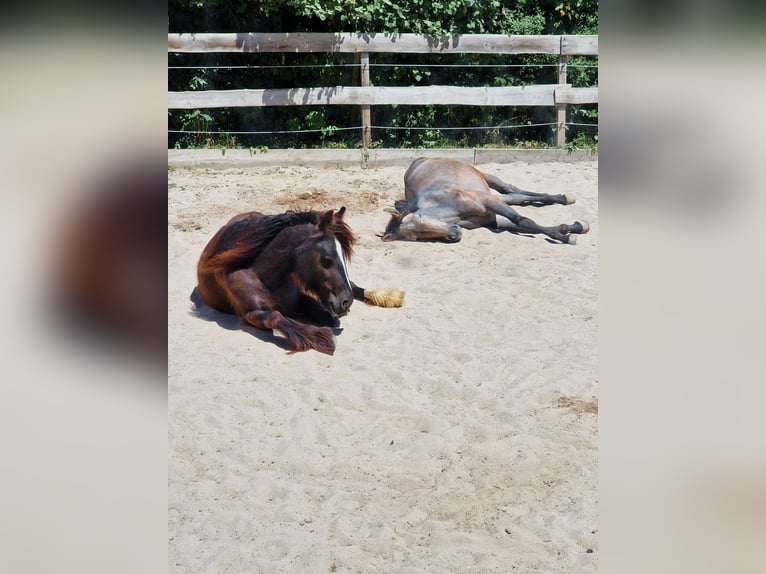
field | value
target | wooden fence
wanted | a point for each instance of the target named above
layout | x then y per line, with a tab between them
559	95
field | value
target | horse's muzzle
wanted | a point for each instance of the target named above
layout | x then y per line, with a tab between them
340	306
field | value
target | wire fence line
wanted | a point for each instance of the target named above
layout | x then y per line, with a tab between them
372	65
334	129
351	128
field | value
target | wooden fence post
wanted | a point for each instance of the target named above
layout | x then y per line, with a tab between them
364	69
561	109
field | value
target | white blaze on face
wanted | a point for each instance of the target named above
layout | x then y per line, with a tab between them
339	249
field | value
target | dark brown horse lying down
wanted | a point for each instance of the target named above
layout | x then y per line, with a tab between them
444	196
286	272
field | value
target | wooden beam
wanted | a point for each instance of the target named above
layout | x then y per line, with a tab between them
364	70
238	158
561	108
579	45
568	95
538	95
403	43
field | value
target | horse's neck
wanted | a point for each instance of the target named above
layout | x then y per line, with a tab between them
277	260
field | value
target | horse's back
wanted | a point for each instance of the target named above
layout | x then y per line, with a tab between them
453	177
446	189
218	258
244	216
223	235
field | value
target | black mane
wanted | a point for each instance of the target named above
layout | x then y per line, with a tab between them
242	241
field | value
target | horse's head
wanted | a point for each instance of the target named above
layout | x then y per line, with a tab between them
321	264
411	225
400	226
392	232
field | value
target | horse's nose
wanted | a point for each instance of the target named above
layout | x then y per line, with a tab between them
345	304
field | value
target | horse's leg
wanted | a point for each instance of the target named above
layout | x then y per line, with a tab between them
513	195
253	303
302	336
511	220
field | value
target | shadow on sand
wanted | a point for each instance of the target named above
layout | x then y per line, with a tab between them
233	323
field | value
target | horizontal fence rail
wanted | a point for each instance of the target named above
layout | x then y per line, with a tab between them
559	95
390	43
539	95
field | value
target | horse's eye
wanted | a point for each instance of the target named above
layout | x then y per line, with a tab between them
326	262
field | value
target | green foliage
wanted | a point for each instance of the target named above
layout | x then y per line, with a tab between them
323	126
582	141
194	121
431	17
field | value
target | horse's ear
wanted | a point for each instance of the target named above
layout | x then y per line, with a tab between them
340	213
325	223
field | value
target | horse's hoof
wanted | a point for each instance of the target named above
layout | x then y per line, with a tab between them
572	239
569	200
325	347
584	225
454	234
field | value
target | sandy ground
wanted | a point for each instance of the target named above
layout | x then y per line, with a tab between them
455	434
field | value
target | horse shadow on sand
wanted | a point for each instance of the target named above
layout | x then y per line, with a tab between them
233	323
521	234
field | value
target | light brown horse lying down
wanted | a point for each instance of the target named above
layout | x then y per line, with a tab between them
444	196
